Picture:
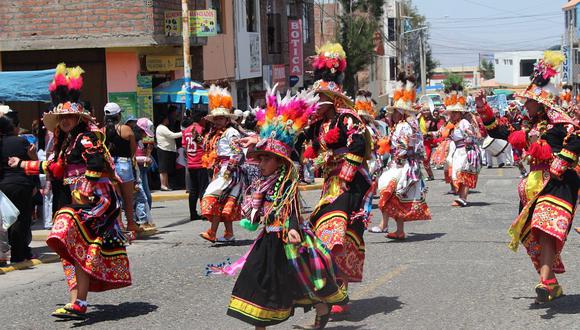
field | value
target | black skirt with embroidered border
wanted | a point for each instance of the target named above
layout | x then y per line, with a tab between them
267	290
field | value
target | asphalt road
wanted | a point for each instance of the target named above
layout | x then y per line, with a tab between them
452	272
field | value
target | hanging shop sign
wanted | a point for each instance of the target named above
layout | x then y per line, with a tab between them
202	23
296	58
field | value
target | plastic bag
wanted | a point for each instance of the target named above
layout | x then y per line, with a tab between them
8	212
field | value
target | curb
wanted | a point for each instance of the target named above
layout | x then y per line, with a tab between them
165	197
48	259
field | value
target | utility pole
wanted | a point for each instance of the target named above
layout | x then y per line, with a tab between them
186	57
423	63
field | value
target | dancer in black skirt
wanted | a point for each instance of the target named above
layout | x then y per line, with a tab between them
287	266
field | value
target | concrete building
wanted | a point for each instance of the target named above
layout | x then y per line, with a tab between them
571	67
513	69
115	41
470	74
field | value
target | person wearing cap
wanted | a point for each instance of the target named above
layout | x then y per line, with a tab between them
401	186
144	136
549	193
192	140
222	155
166	149
86	233
122	146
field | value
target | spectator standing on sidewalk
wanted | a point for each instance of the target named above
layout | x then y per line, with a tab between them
18	188
145	143
122	146
166	150
192	140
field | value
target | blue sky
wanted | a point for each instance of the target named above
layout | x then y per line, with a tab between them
461	29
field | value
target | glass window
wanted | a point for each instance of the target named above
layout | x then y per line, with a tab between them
274	34
391	29
217	6
527	67
251	17
306	16
392	68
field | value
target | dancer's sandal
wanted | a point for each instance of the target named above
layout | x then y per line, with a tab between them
208	236
378	230
339	309
395	236
548	290
459	203
320	321
70	312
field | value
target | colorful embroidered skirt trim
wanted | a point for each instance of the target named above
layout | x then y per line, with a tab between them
228	210
108	268
466	178
395	208
344	241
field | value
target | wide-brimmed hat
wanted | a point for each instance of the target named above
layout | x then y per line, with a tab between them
334	92
220	103
541	89
65	92
52	118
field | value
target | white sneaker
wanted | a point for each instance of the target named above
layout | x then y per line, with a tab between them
224	239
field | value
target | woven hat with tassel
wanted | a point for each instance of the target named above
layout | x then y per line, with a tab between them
220	103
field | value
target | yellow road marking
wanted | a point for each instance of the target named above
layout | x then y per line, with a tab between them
373	286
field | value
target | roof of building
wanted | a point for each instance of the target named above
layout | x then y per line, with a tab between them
457	69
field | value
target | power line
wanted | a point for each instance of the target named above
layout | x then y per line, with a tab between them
491	18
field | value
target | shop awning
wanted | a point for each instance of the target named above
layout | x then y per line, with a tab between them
506	92
174	92
21	86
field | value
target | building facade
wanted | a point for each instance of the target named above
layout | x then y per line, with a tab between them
513	69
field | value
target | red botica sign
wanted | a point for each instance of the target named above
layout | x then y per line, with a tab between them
296	65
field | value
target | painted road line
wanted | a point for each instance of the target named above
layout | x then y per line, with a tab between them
377	283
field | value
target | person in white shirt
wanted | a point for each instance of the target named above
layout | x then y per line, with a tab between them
166	151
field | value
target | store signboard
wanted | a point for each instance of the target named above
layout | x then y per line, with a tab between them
163	63
145	96
127	101
296	59
202	23
279	75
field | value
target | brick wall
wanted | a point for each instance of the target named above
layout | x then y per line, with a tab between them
52	24
325	22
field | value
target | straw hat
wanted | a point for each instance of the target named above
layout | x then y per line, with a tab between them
220	103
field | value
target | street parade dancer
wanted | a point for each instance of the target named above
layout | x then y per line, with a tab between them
340	146
223	155
401	187
464	157
86	234
548	195
287	266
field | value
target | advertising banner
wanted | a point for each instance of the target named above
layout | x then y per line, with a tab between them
127	101
145	96
202	23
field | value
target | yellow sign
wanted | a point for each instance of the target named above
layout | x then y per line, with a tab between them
202	23
164	62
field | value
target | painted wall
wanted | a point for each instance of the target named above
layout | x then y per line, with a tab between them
218	54
122	70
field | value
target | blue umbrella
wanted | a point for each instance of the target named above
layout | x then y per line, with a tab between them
174	92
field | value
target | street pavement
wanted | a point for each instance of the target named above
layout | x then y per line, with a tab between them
452	272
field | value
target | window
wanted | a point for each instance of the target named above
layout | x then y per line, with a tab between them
306	18
527	67
511	62
391	29
496	61
274	34
392	68
217	6
251	17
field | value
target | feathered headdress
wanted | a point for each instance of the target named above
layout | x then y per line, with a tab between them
330	57
65	91
282	120
220	103
405	93
455	101
364	104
